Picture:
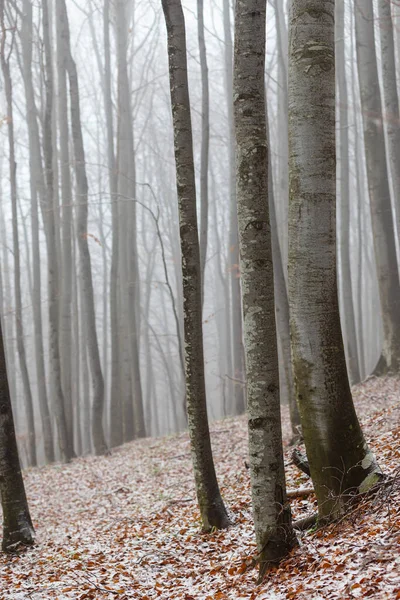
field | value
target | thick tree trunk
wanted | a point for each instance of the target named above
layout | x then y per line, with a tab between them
37	189
340	460
271	511
30	419
99	441
378	185
239	398
348	317
212	509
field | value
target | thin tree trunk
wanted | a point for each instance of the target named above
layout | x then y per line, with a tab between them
66	224
234	274
37	189
205	142
271	511
17	269
340	460
348	316
378	185
391	99
48	211
212	509
99	441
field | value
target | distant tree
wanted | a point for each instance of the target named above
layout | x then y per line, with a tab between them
19	327
378	186
205	140
271	510
239	394
38	191
348	316
82	185
212	509
340	461
50	227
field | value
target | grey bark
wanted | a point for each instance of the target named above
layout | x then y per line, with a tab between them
378	186
116	421
390	99
340	460
271	510
99	441
205	142
234	274
48	211
37	190
66	223
127	233
212	509
348	316
5	66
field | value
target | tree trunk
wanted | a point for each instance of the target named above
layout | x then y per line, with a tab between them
390	98
129	277
205	141
66	224
30	419
378	185
48	211
239	399
271	511
37	189
340	460
17	525
99	441
348	316
212	509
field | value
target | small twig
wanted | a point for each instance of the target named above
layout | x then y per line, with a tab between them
300	493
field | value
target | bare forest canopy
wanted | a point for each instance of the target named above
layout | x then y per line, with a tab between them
199	218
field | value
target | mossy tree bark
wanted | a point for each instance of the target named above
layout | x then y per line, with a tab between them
272	516
212	509
378	185
340	460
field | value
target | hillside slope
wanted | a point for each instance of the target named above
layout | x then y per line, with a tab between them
126	526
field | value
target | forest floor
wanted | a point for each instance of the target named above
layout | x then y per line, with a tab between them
126	526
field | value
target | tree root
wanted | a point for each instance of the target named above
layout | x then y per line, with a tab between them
306	523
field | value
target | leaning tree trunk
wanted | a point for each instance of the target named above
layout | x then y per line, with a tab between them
99	441
378	184
212	509
17	525
339	457
348	316
271	510
5	66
